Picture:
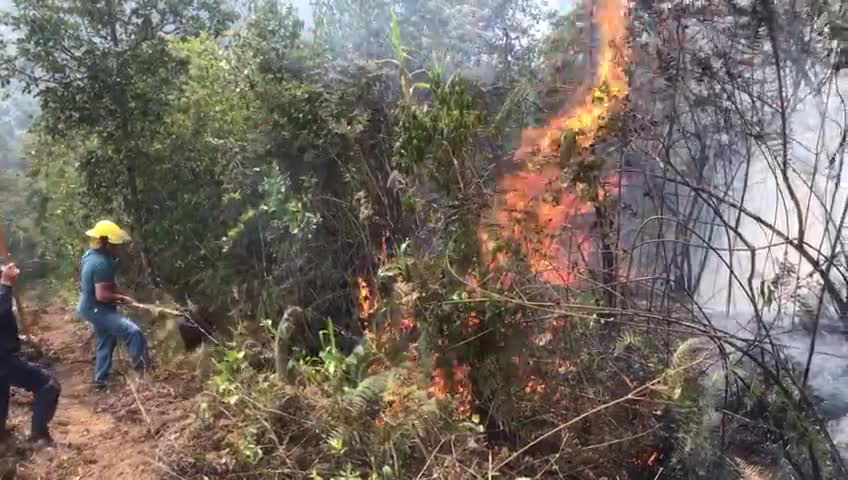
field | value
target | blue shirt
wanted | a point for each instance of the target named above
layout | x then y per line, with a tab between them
96	267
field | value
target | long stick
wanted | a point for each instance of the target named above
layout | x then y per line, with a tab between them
4	252
154	309
181	317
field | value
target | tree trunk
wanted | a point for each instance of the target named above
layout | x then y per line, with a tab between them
124	140
608	261
139	223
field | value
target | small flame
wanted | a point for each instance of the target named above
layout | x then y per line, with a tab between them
407	324
534	386
543	338
472	321
364	299
532	207
653	458
455	380
648	460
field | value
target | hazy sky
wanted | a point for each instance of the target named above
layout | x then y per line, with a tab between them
305	9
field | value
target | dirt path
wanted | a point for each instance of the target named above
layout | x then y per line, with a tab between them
113	434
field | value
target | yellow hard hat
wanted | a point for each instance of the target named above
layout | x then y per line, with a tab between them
112	232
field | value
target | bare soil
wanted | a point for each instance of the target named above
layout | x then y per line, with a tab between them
118	433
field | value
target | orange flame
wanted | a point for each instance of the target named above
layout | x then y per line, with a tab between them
455	380
532	208
534	386
364	299
653	458
533	202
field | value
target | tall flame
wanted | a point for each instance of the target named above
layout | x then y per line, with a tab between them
532	207
533	202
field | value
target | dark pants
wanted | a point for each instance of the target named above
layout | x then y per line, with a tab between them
15	372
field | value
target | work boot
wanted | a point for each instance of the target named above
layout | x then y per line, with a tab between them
41	441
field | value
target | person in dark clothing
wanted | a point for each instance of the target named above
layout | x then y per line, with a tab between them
16	372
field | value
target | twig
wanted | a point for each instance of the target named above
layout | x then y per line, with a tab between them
617	440
430	459
141	407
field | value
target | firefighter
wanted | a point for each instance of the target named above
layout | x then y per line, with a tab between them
16	372
99	299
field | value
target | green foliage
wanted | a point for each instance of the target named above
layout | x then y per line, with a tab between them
105	72
272	38
261	170
293	174
353	417
228	371
18	209
492	33
333	359
565	57
436	137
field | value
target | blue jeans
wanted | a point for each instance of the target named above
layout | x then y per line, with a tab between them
109	326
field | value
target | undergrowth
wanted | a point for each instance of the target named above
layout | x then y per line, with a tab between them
342	417
479	384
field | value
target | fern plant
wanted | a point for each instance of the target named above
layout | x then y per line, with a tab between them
748	471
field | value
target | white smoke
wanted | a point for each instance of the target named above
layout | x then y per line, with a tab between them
816	124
